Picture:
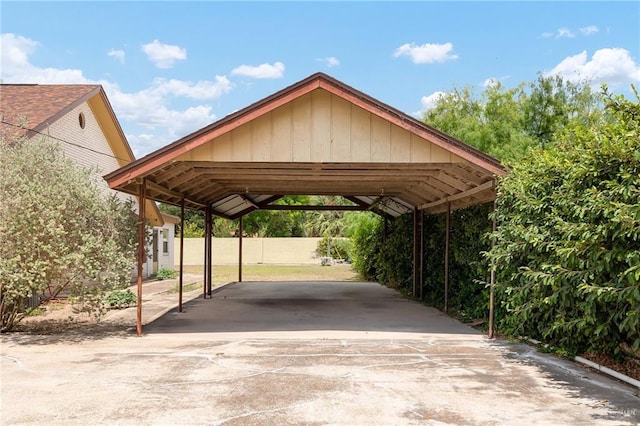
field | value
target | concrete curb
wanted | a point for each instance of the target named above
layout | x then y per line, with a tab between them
610	372
597	367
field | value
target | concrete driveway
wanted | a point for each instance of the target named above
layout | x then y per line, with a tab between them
301	353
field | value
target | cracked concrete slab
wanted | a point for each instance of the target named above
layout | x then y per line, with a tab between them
350	353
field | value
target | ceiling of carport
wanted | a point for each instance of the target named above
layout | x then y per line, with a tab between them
316	137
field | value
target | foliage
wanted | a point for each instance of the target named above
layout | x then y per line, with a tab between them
507	122
490	122
121	299
568	244
326	223
468	296
553	103
339	248
35	311
166	274
193	219
271	223
60	233
366	236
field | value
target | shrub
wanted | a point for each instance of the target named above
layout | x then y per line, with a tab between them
60	233
121	299
568	242
166	274
339	248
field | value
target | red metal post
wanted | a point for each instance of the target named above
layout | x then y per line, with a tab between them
492	283
421	253
142	187
207	248
241	231
181	253
416	252
446	260
210	259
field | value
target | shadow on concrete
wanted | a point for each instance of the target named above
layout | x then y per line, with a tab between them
300	306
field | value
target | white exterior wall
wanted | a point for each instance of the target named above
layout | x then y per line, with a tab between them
164	259
99	156
268	251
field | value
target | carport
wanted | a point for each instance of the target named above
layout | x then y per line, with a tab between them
316	137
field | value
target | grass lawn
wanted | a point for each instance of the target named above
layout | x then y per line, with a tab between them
229	273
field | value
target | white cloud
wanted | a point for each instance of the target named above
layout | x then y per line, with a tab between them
118	54
587	31
261	71
16	67
564	32
490	82
426	53
430	101
164	55
148	116
610	65
149	107
16	50
201	90
329	61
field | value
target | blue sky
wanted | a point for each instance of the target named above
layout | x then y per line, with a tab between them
170	68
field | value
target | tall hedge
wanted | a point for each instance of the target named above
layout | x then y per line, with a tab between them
387	257
568	243
468	295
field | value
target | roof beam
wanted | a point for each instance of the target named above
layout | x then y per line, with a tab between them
155	187
313	208
484	187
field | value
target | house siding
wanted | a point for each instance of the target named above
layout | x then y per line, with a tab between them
87	147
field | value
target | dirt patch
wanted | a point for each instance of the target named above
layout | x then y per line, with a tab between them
628	366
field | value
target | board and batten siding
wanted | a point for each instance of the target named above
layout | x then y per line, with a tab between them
320	127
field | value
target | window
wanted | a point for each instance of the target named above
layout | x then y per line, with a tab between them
165	241
81	120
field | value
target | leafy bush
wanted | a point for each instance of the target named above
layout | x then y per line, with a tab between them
60	233
339	248
365	235
468	296
121	299
388	258
568	243
166	274
394	266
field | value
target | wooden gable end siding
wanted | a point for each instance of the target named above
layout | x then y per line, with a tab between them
320	127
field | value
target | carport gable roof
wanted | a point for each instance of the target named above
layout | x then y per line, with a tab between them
315	137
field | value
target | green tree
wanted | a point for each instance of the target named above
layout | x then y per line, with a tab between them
552	103
59	234
505	122
490	122
193	220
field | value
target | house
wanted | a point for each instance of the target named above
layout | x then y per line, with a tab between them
81	120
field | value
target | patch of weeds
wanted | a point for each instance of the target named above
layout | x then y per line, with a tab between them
32	312
121	299
166	274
